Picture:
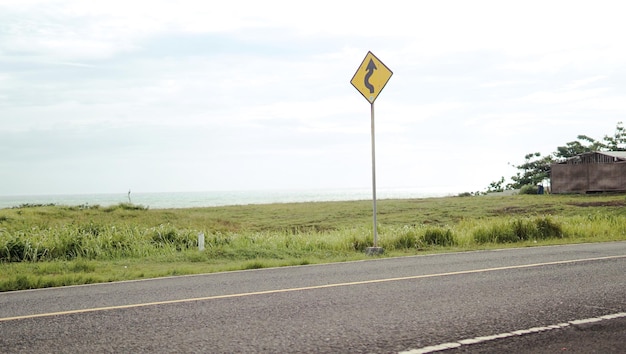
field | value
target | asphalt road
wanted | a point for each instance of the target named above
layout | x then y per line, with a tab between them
530	300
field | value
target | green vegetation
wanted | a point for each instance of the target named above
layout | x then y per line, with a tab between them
48	245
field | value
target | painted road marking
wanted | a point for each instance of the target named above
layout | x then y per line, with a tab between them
470	341
313	287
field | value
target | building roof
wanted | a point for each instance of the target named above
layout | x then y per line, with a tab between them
587	157
618	154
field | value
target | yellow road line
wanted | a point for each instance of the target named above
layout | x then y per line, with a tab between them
276	291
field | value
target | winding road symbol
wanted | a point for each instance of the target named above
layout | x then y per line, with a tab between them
370	70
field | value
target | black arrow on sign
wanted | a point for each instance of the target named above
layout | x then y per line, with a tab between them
370	70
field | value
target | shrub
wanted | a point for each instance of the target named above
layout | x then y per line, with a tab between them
528	189
130	206
499	233
118	243
31	205
360	243
16	249
522	230
406	238
69	246
548	228
161	236
438	237
19	249
125	206
218	239
169	235
517	230
416	237
90	229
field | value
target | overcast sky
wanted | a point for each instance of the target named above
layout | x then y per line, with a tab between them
166	96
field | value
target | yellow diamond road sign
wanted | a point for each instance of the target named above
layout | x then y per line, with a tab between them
371	77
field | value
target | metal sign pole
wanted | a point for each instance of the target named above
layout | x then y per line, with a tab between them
374	177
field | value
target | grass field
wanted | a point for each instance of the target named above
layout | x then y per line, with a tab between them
45	246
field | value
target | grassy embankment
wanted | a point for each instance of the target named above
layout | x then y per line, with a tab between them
44	246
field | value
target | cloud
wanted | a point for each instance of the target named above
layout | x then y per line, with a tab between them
563	96
226	95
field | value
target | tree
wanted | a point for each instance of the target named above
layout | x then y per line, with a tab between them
617	142
576	147
496	186
535	169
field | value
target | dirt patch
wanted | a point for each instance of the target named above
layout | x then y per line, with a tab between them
610	203
510	210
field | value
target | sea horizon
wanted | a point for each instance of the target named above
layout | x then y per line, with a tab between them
174	200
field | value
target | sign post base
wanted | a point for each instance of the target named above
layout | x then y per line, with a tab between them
374	251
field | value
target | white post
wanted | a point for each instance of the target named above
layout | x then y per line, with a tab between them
201	241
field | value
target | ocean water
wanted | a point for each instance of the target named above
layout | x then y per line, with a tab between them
216	198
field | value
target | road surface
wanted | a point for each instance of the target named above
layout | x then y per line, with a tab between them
539	300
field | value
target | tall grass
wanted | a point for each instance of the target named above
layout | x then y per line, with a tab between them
48	245
92	241
518	230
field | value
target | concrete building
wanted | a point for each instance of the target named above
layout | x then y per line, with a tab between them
592	172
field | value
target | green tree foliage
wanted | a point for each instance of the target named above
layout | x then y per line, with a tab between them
496	186
577	147
617	142
584	144
535	169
